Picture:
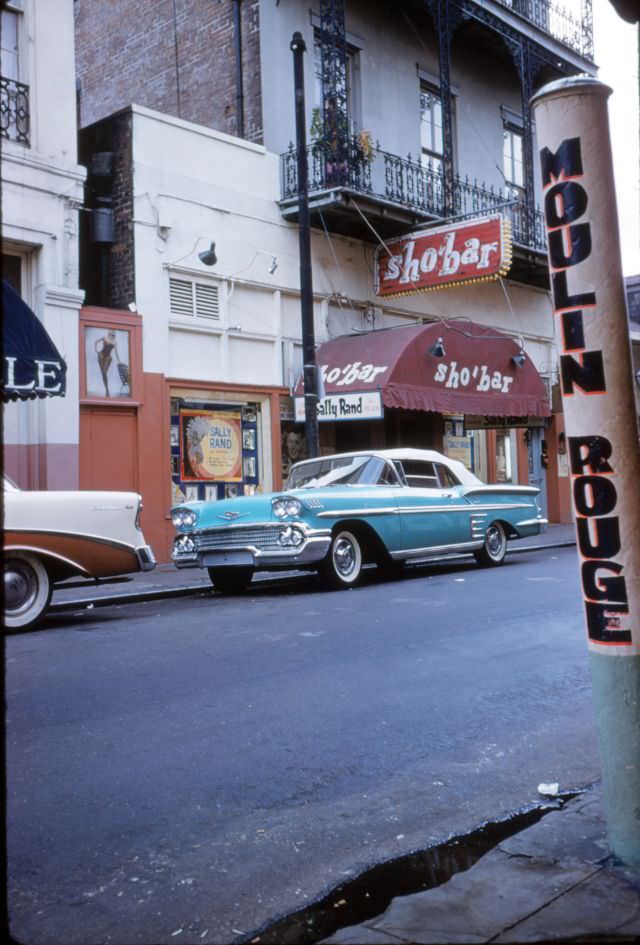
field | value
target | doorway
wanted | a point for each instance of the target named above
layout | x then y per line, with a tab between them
537	451
108	449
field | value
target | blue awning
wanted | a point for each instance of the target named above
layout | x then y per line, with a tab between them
32	365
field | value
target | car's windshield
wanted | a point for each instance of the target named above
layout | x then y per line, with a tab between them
342	470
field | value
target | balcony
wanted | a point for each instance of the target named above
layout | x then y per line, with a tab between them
571	27
14	111
370	194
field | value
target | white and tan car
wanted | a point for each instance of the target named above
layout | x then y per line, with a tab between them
52	536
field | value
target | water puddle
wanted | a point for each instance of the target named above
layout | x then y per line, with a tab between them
357	900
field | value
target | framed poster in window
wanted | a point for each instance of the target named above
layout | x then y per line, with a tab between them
107	358
210	445
110	356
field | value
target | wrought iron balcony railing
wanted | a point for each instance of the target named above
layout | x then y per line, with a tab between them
14	110
573	27
408	184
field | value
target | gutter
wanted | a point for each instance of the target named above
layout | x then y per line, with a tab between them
237	48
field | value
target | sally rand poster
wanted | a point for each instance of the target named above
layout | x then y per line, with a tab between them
211	445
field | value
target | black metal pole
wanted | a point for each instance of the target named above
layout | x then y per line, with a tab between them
298	47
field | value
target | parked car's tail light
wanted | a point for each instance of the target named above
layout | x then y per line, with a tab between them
291	537
285	505
182	517
138	513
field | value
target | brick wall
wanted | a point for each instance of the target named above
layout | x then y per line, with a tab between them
117	290
175	56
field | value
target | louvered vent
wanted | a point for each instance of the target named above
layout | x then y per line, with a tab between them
193	298
207	301
180	297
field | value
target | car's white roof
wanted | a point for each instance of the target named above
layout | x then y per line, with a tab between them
400	452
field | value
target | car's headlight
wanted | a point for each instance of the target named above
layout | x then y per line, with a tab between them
285	505
183	517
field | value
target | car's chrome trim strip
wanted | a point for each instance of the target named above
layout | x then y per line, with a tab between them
531	521
13	542
473	508
507	489
250	526
311	551
44	552
495	507
436	550
388	510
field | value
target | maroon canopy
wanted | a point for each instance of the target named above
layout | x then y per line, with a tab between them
456	367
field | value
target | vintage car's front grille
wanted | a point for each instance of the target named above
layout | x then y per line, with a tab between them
264	539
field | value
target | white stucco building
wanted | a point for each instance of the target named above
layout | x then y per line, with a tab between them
413	120
42	190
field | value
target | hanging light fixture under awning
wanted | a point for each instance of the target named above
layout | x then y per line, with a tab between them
32	365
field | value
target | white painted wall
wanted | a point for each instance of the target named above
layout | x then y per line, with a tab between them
42	188
194	186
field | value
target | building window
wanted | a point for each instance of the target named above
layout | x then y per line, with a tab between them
221	466
12	271
512	154
10	50
431	131
354	117
196	300
14	94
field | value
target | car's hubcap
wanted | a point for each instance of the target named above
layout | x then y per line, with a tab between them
19	587
494	541
344	557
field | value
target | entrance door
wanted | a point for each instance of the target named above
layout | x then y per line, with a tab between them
108	449
537	473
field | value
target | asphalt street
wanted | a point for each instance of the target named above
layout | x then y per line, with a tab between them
186	770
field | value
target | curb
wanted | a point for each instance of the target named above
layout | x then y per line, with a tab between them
192	589
366	896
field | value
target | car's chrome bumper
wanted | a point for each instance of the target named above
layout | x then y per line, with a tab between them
531	526
237	552
146	558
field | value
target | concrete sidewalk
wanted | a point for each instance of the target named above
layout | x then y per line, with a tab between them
168	581
552	882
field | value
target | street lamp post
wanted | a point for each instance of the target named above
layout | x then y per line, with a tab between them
310	373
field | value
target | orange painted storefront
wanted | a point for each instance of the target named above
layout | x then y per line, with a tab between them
125	438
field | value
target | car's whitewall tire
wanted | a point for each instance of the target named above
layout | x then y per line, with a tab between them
494	549
342	567
27	590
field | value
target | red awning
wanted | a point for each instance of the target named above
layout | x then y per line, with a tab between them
472	371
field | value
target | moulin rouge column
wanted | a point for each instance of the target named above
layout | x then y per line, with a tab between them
602	432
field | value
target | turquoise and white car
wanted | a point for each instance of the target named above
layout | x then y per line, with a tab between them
338	513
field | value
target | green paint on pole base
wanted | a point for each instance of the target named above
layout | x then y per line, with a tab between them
616	696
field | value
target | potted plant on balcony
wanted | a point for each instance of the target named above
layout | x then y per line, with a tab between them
316	131
365	146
